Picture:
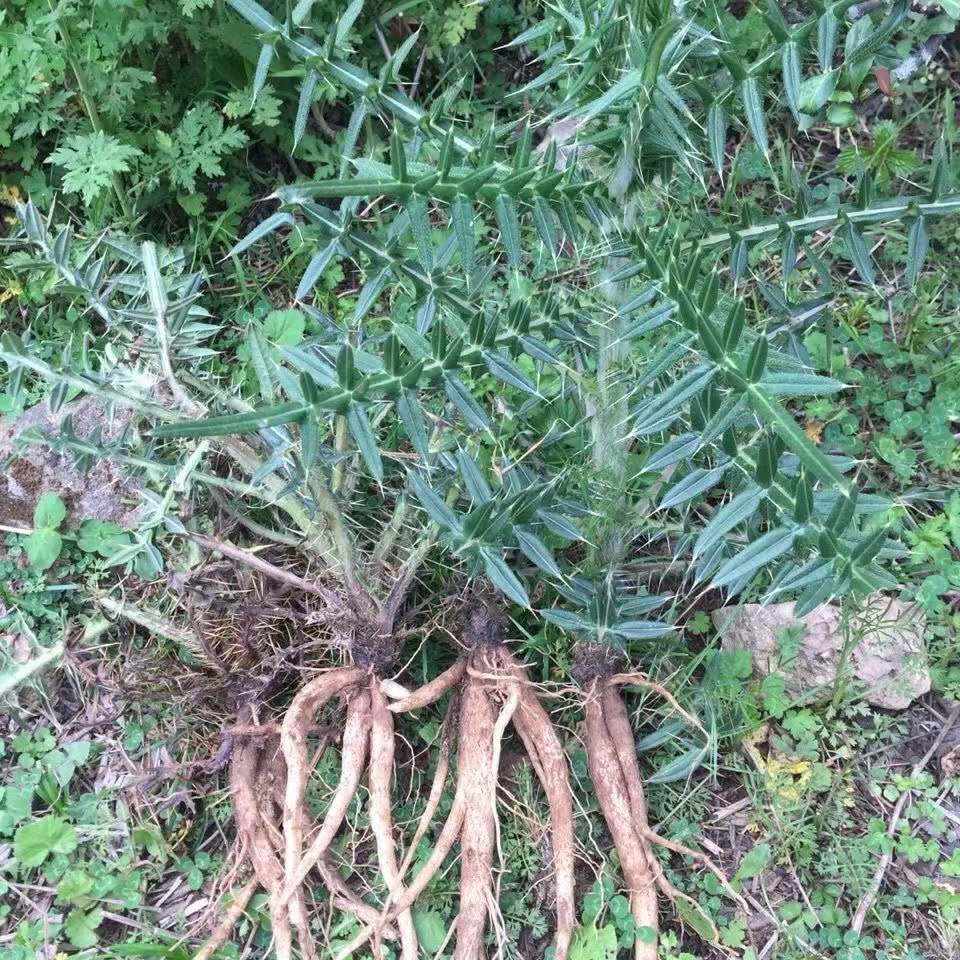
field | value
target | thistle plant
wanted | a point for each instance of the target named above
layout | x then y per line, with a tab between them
517	343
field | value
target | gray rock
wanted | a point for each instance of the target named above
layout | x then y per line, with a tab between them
886	658
103	493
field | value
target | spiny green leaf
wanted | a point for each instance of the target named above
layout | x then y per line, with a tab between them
461	213
641	629
762	552
265	227
408	408
476	484
464	401
730	515
315	268
675	450
796	440
346	21
416	208
503	578
363	433
917	244
681	767
694	483
536	551
717	135
800	384
506	371
790	59
260	360
827	27
543	220
753	106
509	224
437	510
858	252
303	105
568	620
263	66
668	731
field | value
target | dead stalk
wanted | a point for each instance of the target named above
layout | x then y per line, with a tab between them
234	912
250	559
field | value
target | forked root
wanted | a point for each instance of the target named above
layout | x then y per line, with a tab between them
256	827
633	849
353	756
491	692
612	761
293	742
341	895
539	736
269	774
489	674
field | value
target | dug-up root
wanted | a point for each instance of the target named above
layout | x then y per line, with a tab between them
494	692
269	775
368	739
257	776
268	779
618	785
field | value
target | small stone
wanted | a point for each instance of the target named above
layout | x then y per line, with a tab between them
888	659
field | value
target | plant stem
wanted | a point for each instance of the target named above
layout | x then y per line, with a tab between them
881	212
610	432
390	533
26	670
89	104
82	383
158	300
342	541
340	439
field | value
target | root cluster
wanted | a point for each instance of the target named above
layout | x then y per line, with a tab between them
490	692
494	692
